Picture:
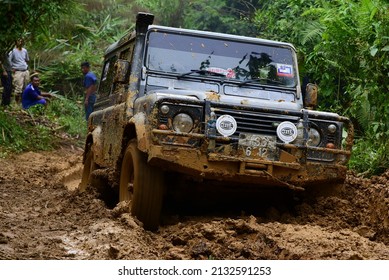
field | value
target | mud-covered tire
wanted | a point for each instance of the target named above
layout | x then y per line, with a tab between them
89	167
143	184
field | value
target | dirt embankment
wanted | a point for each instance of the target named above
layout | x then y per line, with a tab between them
41	217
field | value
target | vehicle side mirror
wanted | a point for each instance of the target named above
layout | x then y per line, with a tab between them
310	99
121	71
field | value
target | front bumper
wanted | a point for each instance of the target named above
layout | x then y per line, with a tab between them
191	154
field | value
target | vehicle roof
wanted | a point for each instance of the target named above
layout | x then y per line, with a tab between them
240	38
222	36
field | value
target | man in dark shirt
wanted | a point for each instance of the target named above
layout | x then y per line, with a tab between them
32	95
90	85
6	80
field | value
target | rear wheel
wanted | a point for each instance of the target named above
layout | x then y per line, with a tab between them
143	185
89	167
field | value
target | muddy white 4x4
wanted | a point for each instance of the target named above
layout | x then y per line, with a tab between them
208	106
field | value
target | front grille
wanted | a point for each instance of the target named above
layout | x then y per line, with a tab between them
254	122
163	120
264	124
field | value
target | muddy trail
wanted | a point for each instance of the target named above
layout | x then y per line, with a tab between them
42	216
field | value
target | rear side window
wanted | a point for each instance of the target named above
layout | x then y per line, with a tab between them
107	77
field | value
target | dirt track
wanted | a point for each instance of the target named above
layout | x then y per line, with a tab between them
42	218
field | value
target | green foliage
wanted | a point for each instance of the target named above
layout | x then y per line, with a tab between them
352	66
80	36
12	134
369	157
343	46
40	128
69	115
57	44
19	136
206	15
167	12
225	16
18	17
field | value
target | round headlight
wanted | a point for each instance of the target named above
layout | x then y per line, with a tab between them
331	128
182	123
164	109
313	137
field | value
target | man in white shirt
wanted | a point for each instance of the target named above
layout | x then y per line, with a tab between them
19	59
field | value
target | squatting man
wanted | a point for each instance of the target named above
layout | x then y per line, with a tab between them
32	95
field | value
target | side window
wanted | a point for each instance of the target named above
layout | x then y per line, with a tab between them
122	68
107	77
115	72
122	71
127	53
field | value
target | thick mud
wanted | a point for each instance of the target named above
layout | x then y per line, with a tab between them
43	216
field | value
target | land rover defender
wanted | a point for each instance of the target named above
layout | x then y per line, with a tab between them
208	106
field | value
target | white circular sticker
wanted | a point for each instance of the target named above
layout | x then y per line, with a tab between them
287	132
226	125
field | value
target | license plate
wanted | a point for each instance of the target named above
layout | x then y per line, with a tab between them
258	146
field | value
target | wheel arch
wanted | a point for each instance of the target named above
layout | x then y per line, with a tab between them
135	128
87	147
94	141
129	133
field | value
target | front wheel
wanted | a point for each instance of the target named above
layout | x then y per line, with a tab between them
143	185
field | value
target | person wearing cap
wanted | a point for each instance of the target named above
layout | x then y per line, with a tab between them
32	95
19	59
90	85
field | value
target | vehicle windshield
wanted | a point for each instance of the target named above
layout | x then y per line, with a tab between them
240	62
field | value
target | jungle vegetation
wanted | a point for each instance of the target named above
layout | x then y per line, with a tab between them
343	46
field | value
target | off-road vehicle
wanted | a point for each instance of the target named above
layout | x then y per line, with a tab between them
212	107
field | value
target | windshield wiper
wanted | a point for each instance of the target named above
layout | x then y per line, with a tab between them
202	72
258	80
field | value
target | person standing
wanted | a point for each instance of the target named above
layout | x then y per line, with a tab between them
32	95
90	85
6	80
19	59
